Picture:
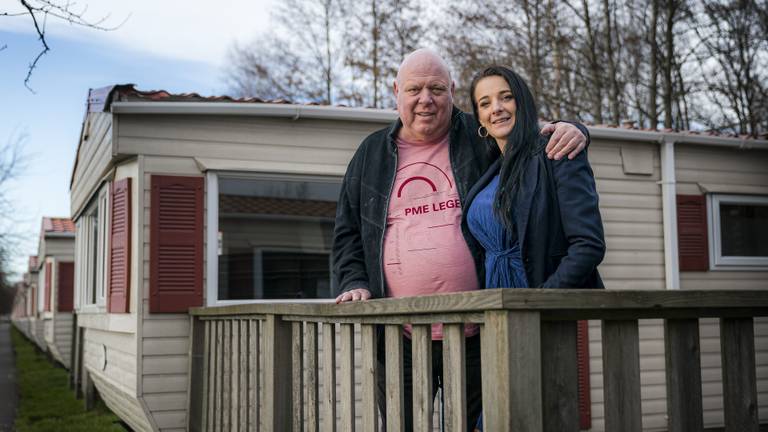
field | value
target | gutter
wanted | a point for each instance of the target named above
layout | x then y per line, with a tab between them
289	111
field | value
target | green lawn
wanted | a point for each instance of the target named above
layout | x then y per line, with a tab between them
45	401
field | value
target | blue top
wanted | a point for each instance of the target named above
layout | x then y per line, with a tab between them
503	259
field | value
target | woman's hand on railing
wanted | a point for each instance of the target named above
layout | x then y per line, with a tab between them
356	294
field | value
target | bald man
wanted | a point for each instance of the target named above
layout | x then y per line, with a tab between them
399	230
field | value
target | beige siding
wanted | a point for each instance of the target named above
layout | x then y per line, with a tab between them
121	402
327	145
700	165
93	158
120	350
62	338
40	324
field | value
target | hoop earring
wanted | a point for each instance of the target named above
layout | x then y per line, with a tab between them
482	132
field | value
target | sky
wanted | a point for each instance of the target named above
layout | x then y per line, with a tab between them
179	46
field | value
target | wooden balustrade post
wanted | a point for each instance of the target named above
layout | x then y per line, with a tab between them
737	348
559	376
683	361
421	357
368	372
198	368
395	395
511	358
454	363
621	375
278	379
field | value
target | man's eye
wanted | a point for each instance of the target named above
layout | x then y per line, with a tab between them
413	90
438	90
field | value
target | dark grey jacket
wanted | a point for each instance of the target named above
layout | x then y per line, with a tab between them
361	212
557	220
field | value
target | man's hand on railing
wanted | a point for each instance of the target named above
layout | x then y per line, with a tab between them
356	294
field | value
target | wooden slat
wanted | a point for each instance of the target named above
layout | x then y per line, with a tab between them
621	376
219	376
393	341
454	318
254	378
277	375
226	387
368	371
234	401
197	355
737	345
298	376
454	349
347	378
421	352
206	377
683	364
211	399
559	376
511	358
329	377
313	400
243	376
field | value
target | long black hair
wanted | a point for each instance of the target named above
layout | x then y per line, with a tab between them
522	142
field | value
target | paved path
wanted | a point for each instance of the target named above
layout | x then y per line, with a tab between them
8	395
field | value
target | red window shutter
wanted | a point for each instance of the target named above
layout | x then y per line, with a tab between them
582	357
119	272
47	304
176	244
692	233
65	281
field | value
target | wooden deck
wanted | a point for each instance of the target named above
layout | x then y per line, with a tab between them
255	366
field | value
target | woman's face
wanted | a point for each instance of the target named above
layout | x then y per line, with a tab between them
496	107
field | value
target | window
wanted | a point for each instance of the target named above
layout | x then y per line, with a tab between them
91	250
272	237
738	232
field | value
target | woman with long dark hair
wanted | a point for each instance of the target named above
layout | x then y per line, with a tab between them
537	219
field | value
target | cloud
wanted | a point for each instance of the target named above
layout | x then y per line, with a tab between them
194	30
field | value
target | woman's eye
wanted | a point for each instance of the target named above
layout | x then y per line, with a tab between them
508	97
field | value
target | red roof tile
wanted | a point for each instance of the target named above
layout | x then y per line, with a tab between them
58	225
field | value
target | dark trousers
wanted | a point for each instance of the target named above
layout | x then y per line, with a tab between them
473	379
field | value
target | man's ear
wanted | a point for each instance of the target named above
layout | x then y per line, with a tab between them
453	89
394	88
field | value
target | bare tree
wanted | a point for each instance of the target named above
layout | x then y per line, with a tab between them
41	11
736	60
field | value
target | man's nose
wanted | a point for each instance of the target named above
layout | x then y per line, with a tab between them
425	97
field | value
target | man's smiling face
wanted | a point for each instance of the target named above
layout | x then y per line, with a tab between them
424	92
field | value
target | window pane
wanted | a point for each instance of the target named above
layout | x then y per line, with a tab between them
275	238
744	229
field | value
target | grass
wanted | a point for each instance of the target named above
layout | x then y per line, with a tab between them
45	401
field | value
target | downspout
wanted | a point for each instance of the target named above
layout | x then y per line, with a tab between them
669	212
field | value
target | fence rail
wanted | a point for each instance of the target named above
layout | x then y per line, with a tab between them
256	366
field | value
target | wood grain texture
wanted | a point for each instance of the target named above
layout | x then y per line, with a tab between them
559	376
511	358
297	370
393	343
277	377
329	377
219	376
313	399
243	375
421	357
198	364
621	376
368	371
254	378
347	377
226	387
454	359
737	347
683	375
234	398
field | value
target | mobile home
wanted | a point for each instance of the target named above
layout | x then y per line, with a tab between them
184	201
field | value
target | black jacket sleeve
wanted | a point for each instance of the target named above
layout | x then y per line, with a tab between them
348	253
574	184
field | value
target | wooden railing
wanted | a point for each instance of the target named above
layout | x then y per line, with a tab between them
255	367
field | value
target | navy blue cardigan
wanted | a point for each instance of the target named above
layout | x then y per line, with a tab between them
557	220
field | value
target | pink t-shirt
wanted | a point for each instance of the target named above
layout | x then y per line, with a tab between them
424	249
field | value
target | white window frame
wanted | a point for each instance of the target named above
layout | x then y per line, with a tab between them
93	299
212	233
717	261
